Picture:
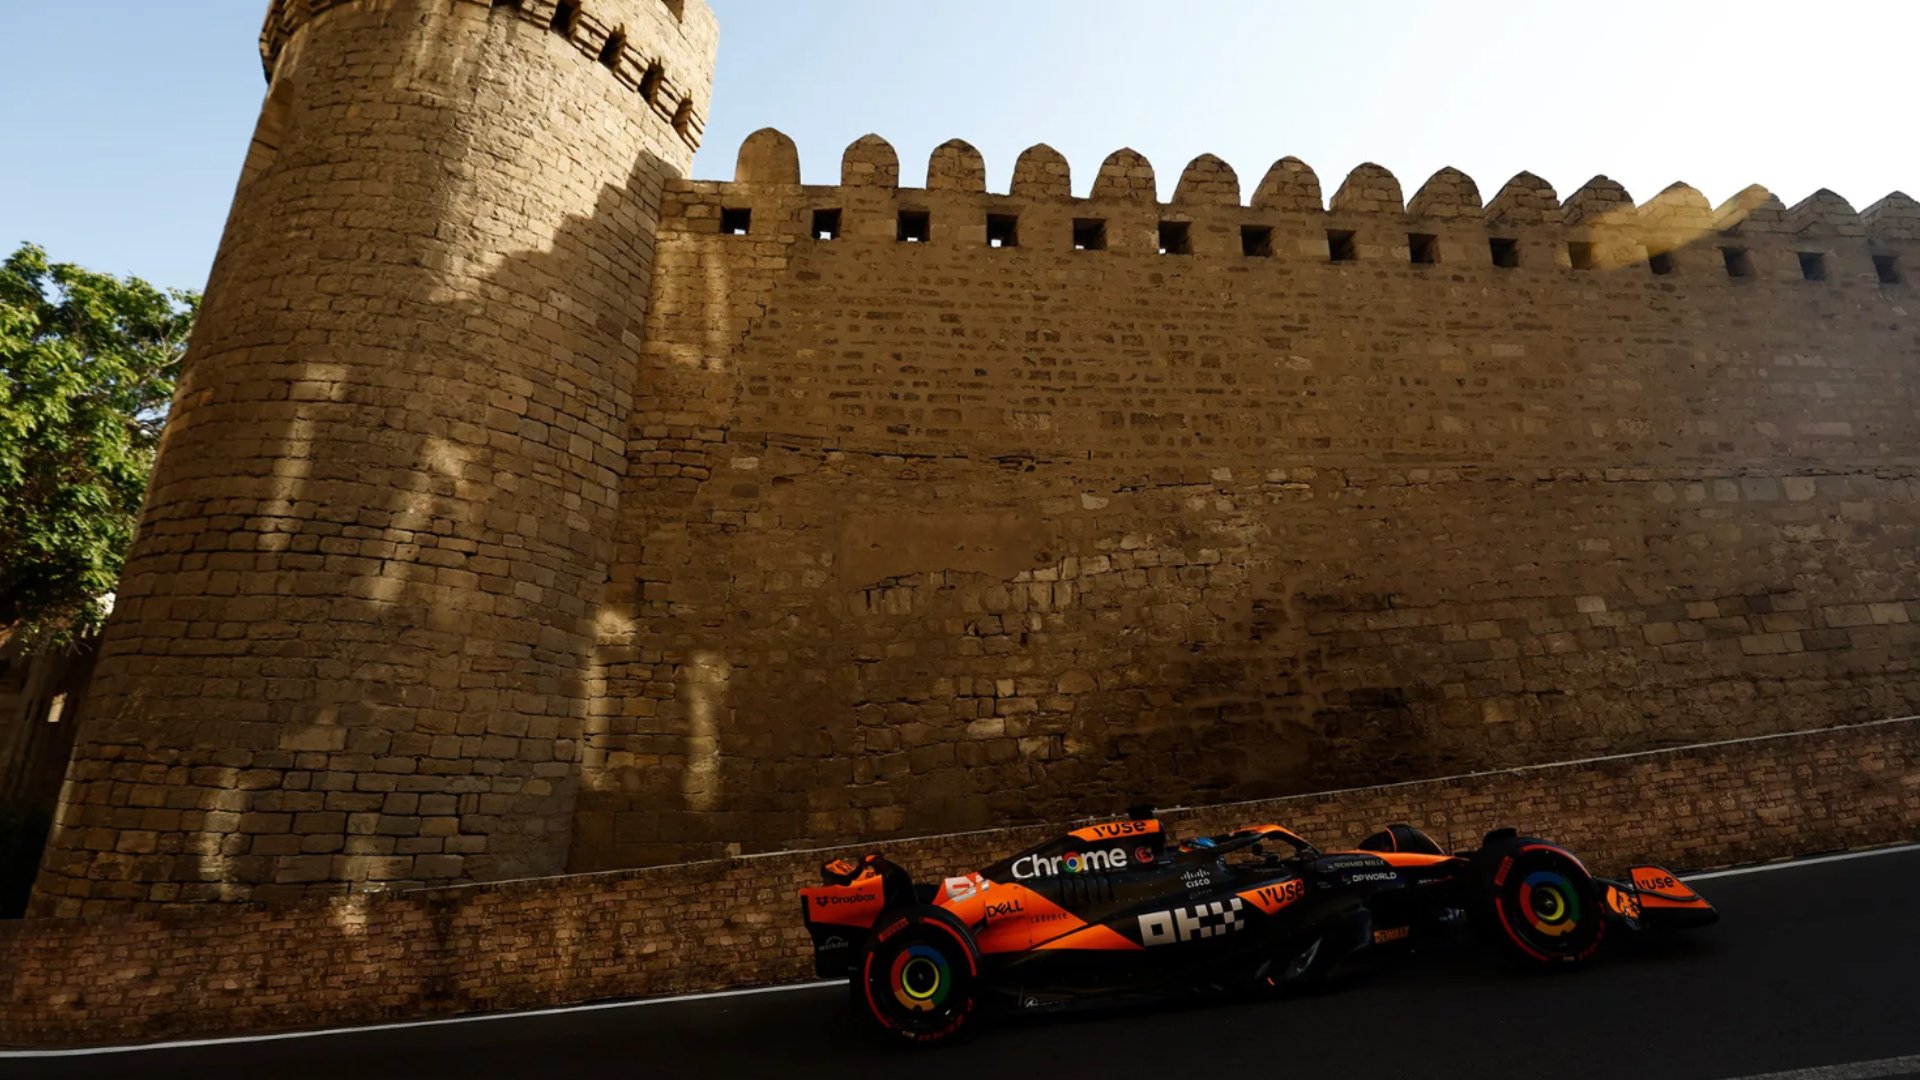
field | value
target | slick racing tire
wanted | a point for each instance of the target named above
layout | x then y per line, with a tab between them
1539	904
917	979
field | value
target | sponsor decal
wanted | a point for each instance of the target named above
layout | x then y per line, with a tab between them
831	899
1376	875
833	943
1074	862
1451	914
1197	923
1392	933
1143	854
1271	898
1049	916
959	888
1622	904
1657	888
1001	911
1114	830
1196	879
1351	862
1656	882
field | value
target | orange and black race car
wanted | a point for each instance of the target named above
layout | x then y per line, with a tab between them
1116	910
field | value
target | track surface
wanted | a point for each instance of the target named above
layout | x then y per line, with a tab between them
1811	966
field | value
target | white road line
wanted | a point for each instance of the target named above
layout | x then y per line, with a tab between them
1859	1070
599	1006
1795	864
277	1036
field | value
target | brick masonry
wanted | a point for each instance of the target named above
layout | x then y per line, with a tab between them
925	534
348	645
528	507
530	943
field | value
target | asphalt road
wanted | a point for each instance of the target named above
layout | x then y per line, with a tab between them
1811	967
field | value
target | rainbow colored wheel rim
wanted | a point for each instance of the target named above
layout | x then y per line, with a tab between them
920	978
1550	903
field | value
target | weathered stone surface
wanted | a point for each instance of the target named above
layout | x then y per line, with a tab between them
529	506
732	922
391	475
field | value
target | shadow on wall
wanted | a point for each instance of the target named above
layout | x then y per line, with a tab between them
810	691
40	700
23	836
429	515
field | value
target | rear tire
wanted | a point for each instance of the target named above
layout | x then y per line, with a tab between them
917	979
1539	904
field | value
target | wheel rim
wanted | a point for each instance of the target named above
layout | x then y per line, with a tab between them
919	986
1550	903
1547	907
920	979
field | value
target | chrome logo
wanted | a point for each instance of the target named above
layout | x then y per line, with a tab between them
920	978
1550	903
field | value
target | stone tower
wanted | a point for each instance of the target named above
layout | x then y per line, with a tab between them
352	640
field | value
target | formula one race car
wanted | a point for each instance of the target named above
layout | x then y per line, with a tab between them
1113	911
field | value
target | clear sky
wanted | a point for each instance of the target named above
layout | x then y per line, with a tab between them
123	122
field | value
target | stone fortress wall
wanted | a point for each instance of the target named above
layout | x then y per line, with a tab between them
527	507
534	943
946	520
349	640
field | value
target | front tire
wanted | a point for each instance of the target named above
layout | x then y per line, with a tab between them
917	979
1540	905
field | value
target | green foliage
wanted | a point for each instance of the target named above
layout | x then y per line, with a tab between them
87	367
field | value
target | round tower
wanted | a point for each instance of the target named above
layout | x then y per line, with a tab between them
351	643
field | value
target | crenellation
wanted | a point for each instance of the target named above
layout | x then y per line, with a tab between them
1678	210
767	156
1041	173
1125	177
1289	185
1752	211
870	162
1525	227
1368	189
956	166
1893	218
1525	200
1824	213
1447	194
1600	201
1207	181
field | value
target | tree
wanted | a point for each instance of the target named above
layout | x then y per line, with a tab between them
87	368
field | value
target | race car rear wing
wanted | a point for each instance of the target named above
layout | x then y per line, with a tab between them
840	911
